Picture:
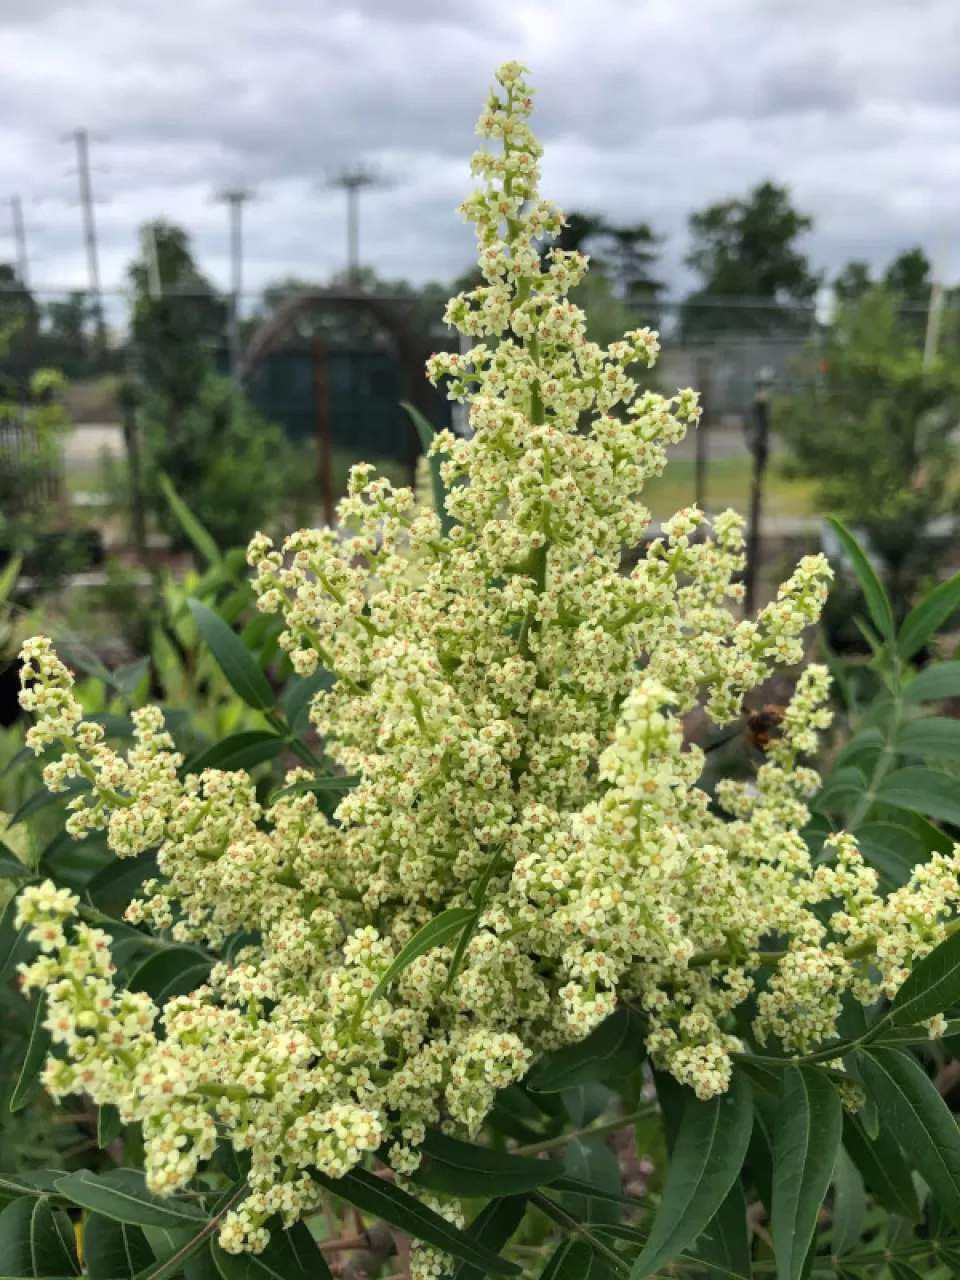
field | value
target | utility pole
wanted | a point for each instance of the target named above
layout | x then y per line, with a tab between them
20	239
353	181
81	140
235	198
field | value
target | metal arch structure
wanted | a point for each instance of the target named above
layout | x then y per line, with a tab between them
410	351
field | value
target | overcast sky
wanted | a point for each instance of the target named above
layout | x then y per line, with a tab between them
648	108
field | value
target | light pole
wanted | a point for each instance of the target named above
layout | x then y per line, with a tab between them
758	441
236	198
353	181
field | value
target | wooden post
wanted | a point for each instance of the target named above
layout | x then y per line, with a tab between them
700	463
321	388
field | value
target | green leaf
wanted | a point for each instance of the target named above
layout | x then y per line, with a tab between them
121	879
426	433
36	1240
238	751
900	1270
583	1061
492	1227
13	940
282	1259
932	986
122	1194
841	790
590	1160
127	678
933	839
113	1250
11	867
44	799
711	1143
29	1083
109	1125
890	849
941	680
175	971
874	592
883	1168
919	1119
463	1169
937	738
849	1205
113	725
191	526
182	1247
935	794
299	695
8	578
726	1240
236	662
571	1260
576	1186
384	1200
332	782
865	744
435	933
925	618
805	1148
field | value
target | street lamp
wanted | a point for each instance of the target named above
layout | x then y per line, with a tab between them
757	431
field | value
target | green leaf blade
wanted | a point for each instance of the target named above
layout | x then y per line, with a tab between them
932	986
29	1081
435	933
464	1169
926	618
384	1200
235	661
919	1119
122	1195
113	1250
805	1149
874	592
922	790
707	1156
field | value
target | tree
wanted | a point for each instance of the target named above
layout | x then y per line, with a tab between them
68	335
745	250
872	427
853	281
227	462
909	276
180	322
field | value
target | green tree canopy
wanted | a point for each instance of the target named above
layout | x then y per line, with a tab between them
874	429
746	250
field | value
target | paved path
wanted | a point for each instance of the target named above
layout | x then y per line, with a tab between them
87	442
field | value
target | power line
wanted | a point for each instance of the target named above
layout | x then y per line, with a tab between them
353	181
235	198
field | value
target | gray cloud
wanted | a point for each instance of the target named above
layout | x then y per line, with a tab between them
647	109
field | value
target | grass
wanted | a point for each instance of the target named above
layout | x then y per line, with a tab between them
727	485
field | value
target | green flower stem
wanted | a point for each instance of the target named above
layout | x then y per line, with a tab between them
563	1219
590	1131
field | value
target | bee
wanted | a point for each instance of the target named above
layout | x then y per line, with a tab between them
761	724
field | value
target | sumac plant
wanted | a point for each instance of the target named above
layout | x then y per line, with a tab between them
522	896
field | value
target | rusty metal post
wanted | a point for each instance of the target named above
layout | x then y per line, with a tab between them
321	389
700	462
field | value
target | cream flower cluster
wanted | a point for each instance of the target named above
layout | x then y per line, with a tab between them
512	700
